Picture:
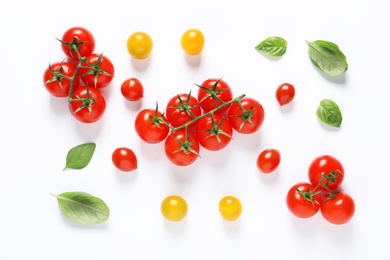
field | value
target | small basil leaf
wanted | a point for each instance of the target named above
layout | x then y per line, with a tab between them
79	156
328	112
82	207
327	57
272	46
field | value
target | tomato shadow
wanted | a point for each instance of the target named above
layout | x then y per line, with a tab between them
270	178
60	105
126	176
175	227
141	64
184	174
193	60
133	105
232	227
287	108
90	131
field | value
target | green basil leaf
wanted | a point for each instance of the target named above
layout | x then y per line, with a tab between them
328	112
327	57
82	207
272	46
79	156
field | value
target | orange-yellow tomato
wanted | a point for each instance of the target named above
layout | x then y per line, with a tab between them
230	208
139	45
174	208
192	41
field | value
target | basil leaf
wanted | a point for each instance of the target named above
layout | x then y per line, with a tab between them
272	46
327	57
82	207
79	156
328	112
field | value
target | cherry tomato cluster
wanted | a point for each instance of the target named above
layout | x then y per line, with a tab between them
322	193
81	76
207	120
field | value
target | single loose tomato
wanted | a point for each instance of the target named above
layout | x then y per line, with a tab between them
246	116
181	148
151	125
80	39
132	89
268	160
97	71
124	159
285	93
212	93
328	170
214	132
88	104
174	208
57	78
230	208
192	41
302	200
339	209
139	45
181	109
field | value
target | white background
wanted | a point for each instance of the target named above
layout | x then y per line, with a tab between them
37	131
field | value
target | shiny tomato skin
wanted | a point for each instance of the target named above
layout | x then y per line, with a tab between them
149	127
124	159
325	164
84	36
139	45
52	83
268	160
285	93
181	109
214	133
174	144
97	106
298	205
248	121
192	41
174	208
132	89
338	210
105	65
211	92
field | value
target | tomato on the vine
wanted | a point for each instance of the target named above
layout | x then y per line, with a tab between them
181	147
57	78
97	71
192	41
174	208
214	132
246	115
338	209
285	93
80	38
151	125
139	45
87	105
181	109
302	200
230	208
124	159
132	89
212	93
328	170
268	160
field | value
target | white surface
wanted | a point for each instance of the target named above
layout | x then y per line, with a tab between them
37	131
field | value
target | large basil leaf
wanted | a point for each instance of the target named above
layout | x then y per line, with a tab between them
328	112
79	156
327	57
82	207
272	46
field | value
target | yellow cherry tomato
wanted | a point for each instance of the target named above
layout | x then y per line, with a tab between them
174	208
139	45
230	208
192	41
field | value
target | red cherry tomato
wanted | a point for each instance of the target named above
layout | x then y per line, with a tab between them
330	168
338	210
124	159
212	92
214	132
150	126
97	71
181	148
268	160
79	37
301	201
132	89
285	93
181	109
56	81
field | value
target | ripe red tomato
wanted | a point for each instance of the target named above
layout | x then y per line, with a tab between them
247	118
80	38
214	132
268	160
132	89
97	71
150	127
285	93
88	104
330	168
212	93
56	78
302	201
338	210
182	148
124	159
181	109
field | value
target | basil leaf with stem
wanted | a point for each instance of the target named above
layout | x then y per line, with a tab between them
327	57
328	112
82	207
79	156
273	46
